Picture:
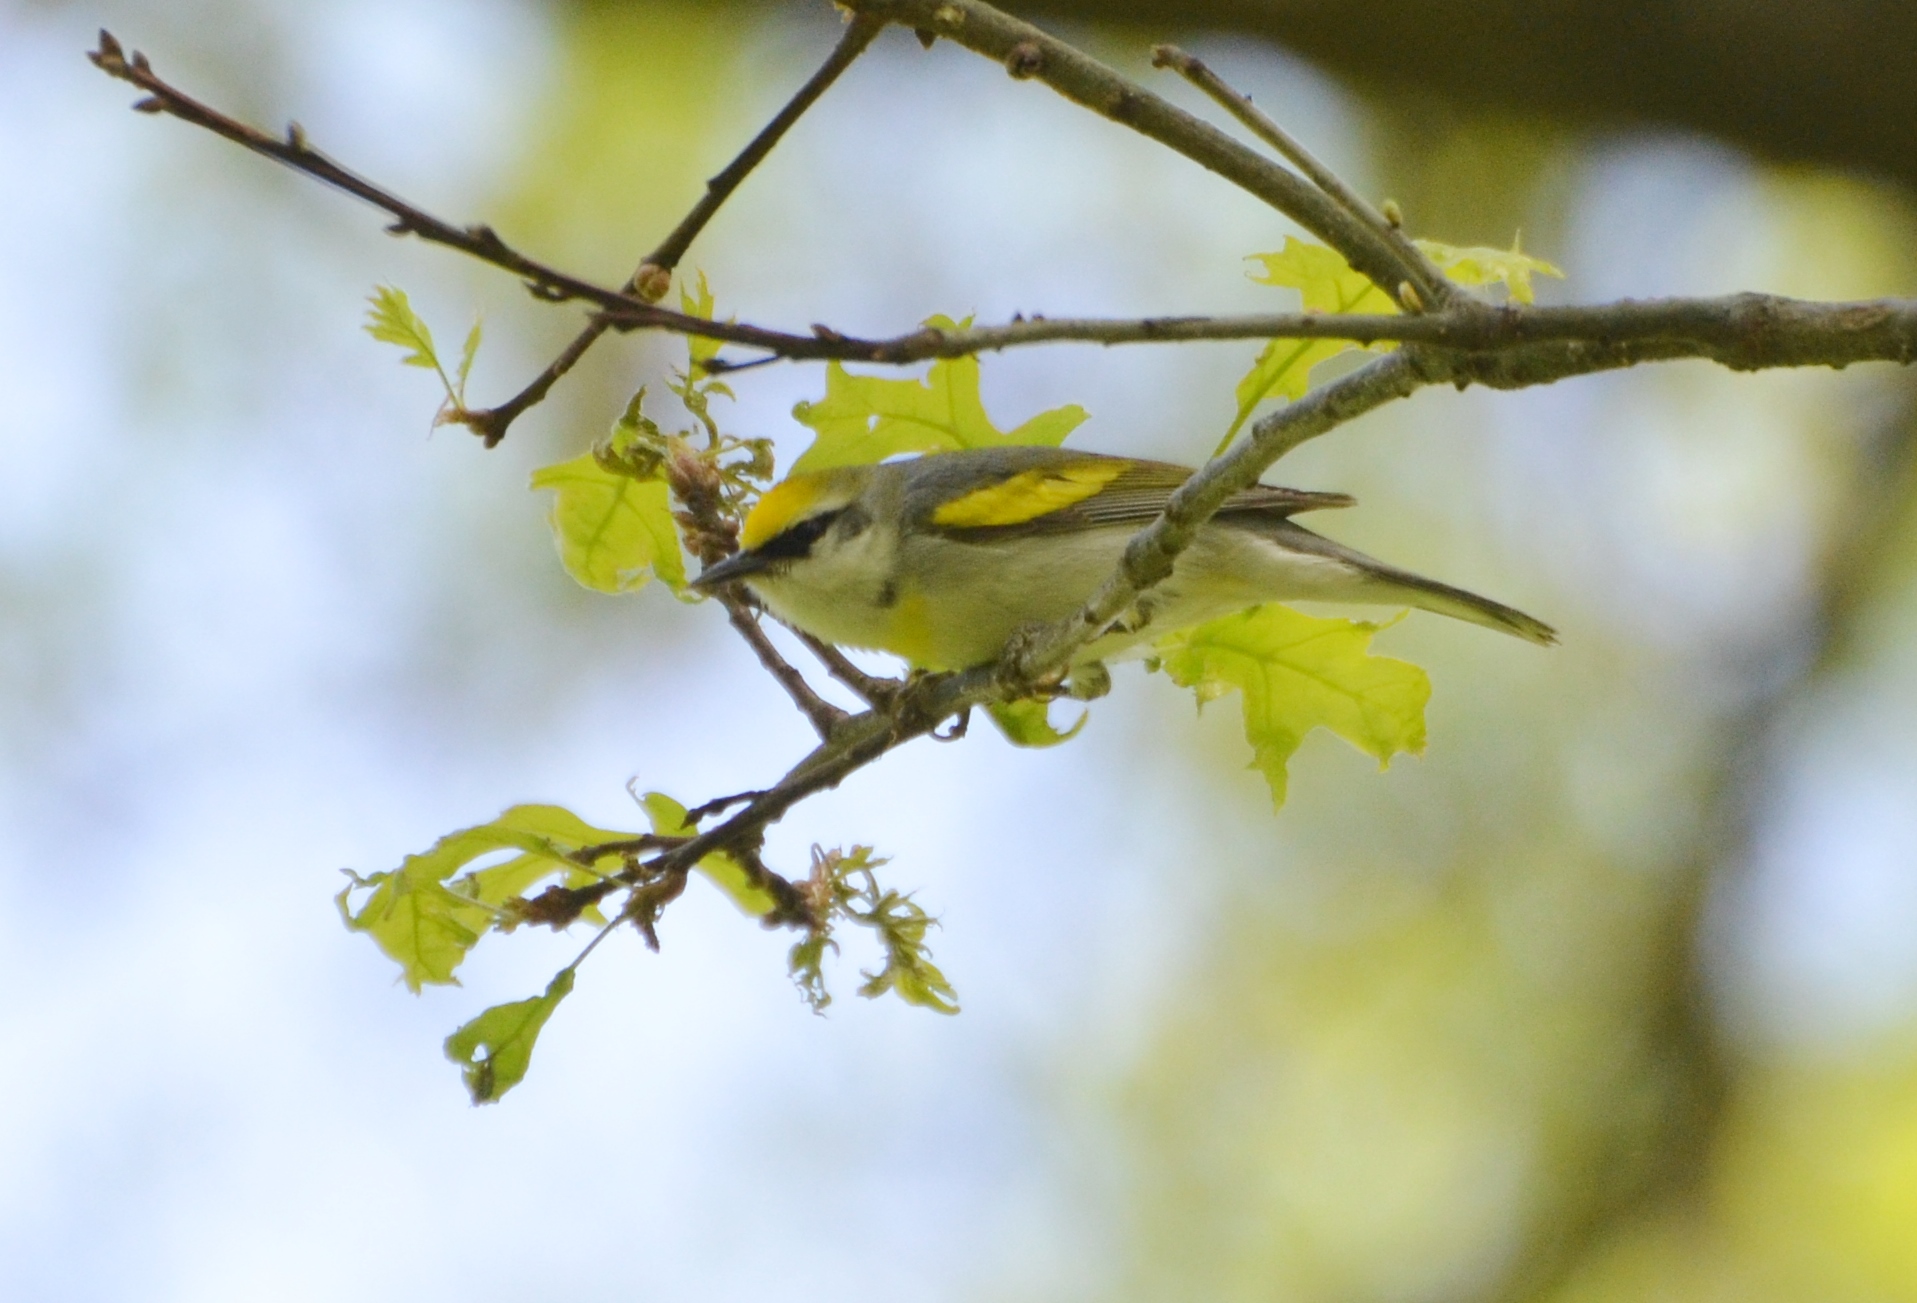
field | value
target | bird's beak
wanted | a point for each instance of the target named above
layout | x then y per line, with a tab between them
736	566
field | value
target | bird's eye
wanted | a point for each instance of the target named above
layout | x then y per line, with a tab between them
852	521
797	540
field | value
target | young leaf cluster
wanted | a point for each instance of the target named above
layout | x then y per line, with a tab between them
613	515
391	320
843	888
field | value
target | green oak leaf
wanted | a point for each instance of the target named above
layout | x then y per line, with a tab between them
1324	280
1282	370
864	419
1296	673
1029	723
427	926
391	320
494	1050
1512	268
1325	283
669	820
467	353
806	962
909	971
699	303
614	531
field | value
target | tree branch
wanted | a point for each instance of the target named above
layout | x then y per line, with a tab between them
823	714
1740	330
1029	53
873	689
650	278
1433	289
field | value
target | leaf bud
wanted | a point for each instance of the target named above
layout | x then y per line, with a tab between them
1408	295
1089	682
1025	61
694	479
1393	215
651	282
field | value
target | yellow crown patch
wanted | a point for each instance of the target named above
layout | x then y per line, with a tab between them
782	504
1028	495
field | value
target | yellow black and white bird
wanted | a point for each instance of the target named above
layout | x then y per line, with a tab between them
942	558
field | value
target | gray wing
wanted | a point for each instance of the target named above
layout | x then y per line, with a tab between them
1135	497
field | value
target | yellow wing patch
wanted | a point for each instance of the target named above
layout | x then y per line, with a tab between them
781	505
1028	495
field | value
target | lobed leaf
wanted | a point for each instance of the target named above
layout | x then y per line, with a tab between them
391	320
864	419
699	303
1512	268
806	962
614	531
1324	280
427	927
1325	283
494	1050
1298	672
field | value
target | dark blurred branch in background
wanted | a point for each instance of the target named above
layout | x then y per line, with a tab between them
1660	1172
1818	81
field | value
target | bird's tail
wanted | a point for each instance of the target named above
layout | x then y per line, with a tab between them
1428	594
1385	585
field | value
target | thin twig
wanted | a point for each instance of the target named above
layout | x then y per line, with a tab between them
1029	53
296	152
479	241
859	34
873	689
698	813
823	715
587	856
1435	290
654	270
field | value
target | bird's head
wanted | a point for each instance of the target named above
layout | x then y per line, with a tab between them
802	517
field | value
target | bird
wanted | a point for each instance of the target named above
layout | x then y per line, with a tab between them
941	559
